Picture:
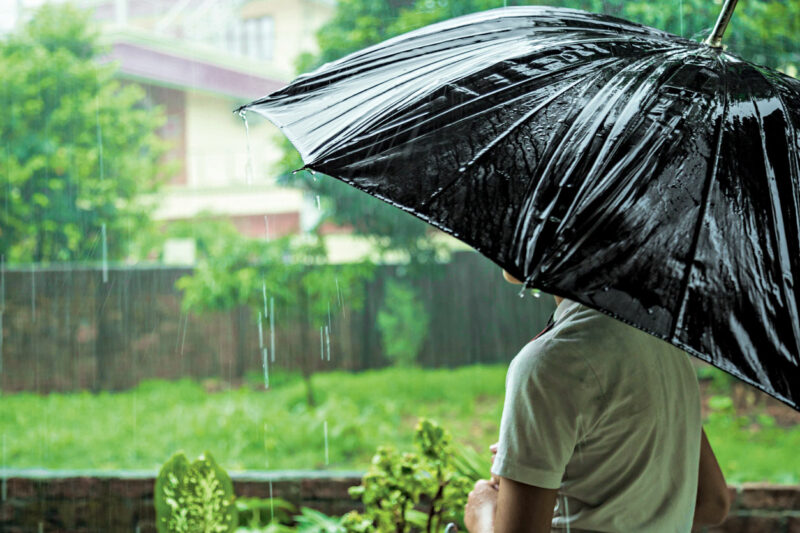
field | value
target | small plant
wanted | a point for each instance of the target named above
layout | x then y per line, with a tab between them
194	497
403	323
398	485
256	514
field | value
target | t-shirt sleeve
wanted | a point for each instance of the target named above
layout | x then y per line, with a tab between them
543	414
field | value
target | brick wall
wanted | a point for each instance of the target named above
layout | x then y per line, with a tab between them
34	502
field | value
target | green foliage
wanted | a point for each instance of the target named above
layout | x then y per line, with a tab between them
194	498
79	148
397	484
236	270
253	429
283	518
256	514
292	275
403	322
311	521
721	382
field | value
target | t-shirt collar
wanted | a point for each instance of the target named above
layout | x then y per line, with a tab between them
562	308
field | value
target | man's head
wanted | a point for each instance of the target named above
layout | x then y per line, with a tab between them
511	279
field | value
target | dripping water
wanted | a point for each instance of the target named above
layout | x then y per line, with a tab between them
248	170
321	343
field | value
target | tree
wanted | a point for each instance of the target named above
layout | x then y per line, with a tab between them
237	272
79	148
762	31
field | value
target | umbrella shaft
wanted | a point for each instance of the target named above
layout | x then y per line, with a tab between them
715	39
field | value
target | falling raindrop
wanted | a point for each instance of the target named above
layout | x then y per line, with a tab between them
321	343
105	253
271	504
681	17
266	227
272	328
8	178
41	527
33	293
2	304
319	208
265	364
4	488
183	337
338	293
260	332
329	315
325	428
99	136
249	168
328	341
264	295
566	512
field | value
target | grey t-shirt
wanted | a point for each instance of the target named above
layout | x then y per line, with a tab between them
609	416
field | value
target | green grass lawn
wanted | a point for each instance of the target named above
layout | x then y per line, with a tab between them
252	429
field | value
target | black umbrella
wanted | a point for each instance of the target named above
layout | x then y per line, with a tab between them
645	175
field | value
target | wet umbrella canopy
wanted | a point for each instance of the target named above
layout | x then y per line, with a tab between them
645	175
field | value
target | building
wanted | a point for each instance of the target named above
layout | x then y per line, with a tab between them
199	60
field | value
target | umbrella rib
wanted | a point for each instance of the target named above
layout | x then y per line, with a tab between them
774	199
691	256
462	171
334	146
494	93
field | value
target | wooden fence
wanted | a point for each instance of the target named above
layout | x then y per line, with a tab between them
67	329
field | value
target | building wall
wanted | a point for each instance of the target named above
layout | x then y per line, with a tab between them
216	144
295	24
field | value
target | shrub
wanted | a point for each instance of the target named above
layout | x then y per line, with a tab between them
398	484
403	323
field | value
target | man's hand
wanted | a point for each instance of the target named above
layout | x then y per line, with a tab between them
480	509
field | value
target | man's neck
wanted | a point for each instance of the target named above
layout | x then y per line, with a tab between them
559	299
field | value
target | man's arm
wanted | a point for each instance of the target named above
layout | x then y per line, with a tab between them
513	508
713	501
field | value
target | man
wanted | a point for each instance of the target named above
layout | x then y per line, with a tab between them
600	431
